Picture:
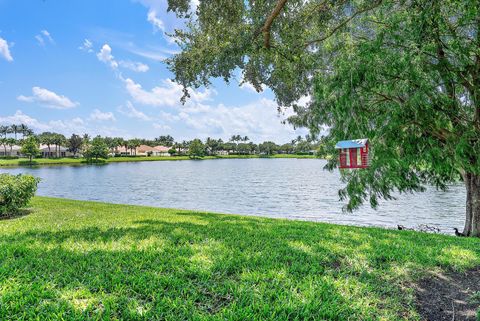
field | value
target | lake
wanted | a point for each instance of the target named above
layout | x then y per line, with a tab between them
280	188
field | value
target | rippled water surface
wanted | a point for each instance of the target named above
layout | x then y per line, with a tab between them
283	188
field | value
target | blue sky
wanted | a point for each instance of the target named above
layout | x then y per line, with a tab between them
90	66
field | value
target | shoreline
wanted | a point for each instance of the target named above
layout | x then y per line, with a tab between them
21	162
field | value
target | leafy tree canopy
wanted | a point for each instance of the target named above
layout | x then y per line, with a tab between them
405	74
96	149
196	148
30	147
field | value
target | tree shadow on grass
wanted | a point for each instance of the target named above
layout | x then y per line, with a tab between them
20	213
222	267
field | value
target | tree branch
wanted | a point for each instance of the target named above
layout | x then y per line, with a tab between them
268	23
344	22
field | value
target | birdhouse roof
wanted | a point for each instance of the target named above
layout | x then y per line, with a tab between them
354	143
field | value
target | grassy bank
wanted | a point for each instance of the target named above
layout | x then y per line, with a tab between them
81	161
83	260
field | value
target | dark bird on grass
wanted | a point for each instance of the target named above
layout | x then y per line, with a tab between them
404	228
457	233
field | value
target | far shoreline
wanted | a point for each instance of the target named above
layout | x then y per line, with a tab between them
23	162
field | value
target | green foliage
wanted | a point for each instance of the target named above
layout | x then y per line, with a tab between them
172	151
268	148
74	144
165	141
96	149
15	192
213	145
30	147
196	149
303	147
77	260
403	74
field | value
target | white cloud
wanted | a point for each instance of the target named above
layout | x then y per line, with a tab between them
134	66
40	40
44	35
249	87
105	55
20	118
163	20
5	50
167	94
66	126
155	55
98	115
161	126
47	35
78	121
258	120
130	111
155	21
48	98
87	46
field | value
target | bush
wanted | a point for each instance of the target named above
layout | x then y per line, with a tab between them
15	192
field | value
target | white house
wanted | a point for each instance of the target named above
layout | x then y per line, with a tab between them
161	151
54	151
10	151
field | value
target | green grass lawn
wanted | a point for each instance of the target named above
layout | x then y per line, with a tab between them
81	161
75	260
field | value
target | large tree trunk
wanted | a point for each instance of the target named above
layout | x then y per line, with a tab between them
472	221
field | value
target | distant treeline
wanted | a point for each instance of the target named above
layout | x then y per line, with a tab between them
236	145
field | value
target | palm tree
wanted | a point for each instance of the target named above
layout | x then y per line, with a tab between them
22	128
3	142
10	142
178	147
58	140
14	129
119	141
27	132
4	131
133	144
47	138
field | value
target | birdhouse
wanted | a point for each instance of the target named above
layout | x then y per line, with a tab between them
353	153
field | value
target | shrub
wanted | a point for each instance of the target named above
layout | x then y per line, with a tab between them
15	192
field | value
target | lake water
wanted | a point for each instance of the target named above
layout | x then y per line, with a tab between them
281	188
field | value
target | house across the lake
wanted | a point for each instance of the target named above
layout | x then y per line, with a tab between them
143	150
54	151
7	151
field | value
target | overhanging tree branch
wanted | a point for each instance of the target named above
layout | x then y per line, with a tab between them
268	23
343	23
